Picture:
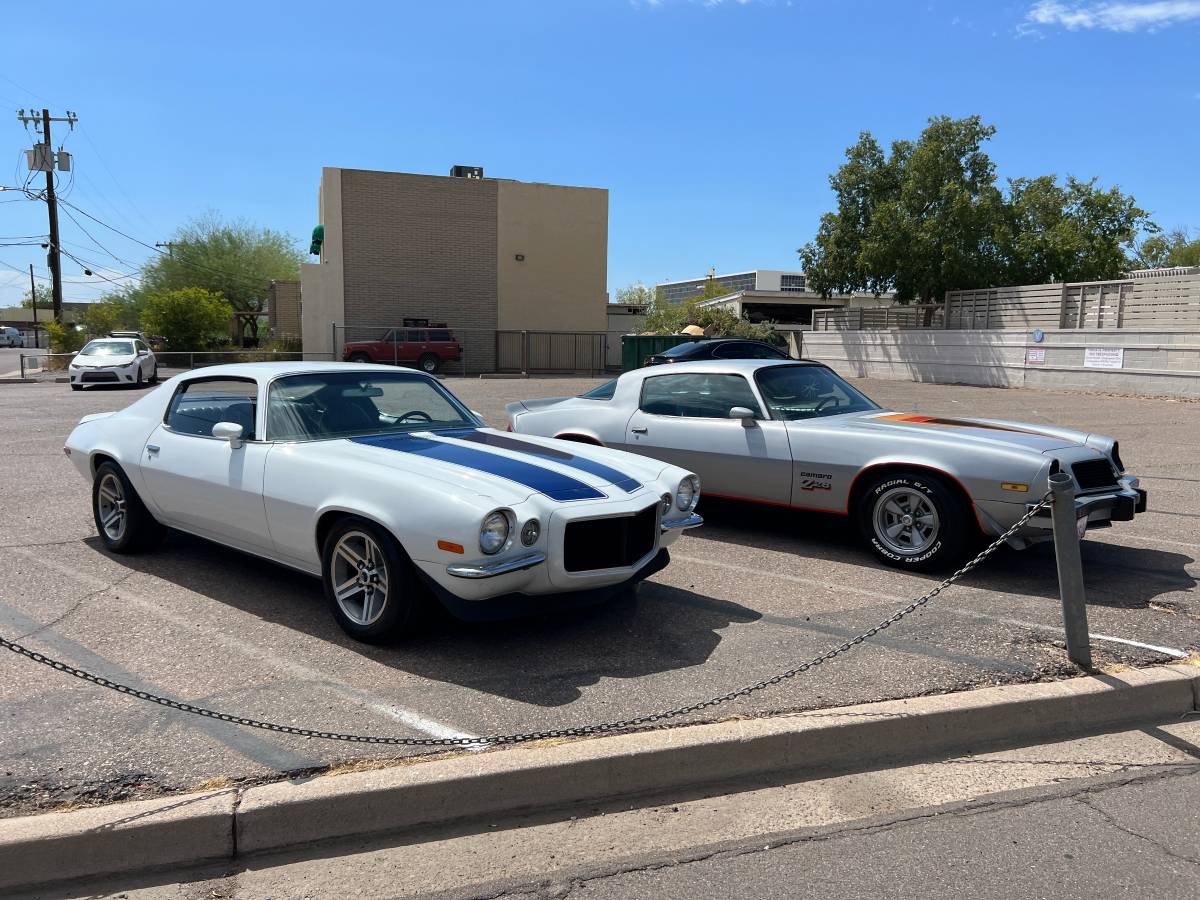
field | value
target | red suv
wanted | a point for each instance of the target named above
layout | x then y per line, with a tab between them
427	347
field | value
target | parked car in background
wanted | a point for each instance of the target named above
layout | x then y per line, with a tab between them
382	483
428	349
113	360
922	489
11	337
716	348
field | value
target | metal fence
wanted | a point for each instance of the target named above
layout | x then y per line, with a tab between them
33	365
473	351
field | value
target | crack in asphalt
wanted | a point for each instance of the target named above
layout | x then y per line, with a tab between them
74	607
1111	821
561	889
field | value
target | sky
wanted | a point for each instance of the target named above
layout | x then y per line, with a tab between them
714	124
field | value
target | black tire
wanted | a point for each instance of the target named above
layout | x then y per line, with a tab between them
154	374
429	363
140	529
893	516
359	358
77	387
139	382
403	598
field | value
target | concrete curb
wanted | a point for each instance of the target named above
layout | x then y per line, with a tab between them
222	825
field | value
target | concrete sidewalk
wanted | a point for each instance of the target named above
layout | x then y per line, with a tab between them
1111	815
470	789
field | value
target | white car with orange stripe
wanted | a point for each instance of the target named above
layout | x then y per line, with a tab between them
380	481
795	434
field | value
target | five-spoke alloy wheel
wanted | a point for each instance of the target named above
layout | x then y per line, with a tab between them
370	583
122	520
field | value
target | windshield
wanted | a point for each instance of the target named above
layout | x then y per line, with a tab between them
804	392
350	404
108	348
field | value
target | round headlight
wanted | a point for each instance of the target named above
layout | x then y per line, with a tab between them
530	532
687	493
493	533
667	504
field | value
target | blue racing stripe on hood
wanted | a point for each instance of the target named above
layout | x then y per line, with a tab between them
503	442
546	481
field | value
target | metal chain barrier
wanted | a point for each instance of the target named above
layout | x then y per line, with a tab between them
639	722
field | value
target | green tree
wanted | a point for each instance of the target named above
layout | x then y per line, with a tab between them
636	294
104	317
928	217
232	259
1071	232
63	339
189	318
672	318
1160	251
45	298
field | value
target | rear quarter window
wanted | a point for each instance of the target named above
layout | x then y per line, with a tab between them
603	392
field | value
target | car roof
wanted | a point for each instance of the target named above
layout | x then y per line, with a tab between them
266	370
740	366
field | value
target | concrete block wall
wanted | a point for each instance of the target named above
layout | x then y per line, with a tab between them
1156	363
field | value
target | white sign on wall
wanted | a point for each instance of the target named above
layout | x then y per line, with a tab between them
1104	357
1035	356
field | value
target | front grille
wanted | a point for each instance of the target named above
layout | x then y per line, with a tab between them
98	376
610	543
1093	474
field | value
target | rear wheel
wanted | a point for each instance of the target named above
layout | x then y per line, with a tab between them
912	520
370	583
429	362
122	520
77	387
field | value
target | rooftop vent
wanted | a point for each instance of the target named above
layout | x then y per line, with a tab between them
466	171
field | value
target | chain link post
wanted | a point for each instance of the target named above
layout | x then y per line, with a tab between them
1070	570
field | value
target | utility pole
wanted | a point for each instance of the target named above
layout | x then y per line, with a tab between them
33	297
168	244
42	159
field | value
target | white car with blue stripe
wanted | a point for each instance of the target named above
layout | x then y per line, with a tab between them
381	482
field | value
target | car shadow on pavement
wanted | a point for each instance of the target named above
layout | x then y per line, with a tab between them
544	659
1115	575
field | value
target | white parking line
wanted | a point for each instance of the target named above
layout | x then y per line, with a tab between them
1051	629
411	719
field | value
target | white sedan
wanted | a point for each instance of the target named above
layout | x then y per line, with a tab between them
382	483
114	360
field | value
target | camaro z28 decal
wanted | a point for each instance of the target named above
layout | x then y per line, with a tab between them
815	481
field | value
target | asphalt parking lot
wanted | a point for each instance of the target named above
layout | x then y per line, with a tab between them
751	593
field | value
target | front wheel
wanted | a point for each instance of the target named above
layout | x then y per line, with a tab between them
359	358
122	520
912	520
370	584
154	374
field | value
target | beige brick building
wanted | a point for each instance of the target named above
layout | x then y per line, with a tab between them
480	254
283	309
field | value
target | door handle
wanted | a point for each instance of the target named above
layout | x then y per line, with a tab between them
152	448
639	429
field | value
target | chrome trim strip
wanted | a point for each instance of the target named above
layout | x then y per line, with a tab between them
690	522
501	567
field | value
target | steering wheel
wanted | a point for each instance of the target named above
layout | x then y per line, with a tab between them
419	414
823	402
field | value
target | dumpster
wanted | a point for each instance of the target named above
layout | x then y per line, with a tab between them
636	347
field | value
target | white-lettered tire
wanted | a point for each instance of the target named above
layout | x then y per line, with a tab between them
369	581
122	520
913	520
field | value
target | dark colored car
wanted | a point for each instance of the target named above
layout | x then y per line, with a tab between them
428	348
717	348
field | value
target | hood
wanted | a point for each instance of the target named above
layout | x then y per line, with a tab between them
117	359
499	465
1038	438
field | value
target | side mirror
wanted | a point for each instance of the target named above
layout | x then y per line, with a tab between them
743	413
143	353
229	431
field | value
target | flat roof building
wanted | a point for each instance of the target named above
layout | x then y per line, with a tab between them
755	280
478	254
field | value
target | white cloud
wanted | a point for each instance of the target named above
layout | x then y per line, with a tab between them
1128	16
